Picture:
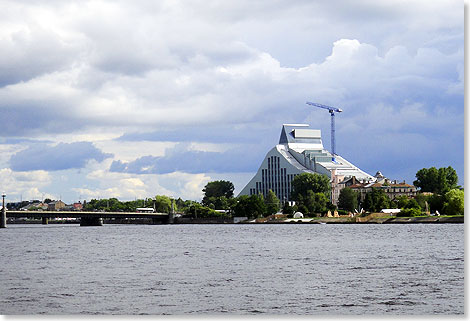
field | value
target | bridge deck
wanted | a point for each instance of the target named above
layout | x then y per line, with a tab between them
72	214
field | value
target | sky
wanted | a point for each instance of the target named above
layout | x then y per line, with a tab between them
132	99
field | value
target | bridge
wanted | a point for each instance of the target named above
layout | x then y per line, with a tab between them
89	218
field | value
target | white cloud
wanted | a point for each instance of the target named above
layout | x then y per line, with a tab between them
25	185
127	151
95	70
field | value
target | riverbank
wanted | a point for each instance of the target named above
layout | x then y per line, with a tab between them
366	220
314	220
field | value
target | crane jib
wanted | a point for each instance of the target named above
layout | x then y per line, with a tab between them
332	111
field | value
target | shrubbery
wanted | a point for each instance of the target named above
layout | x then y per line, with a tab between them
409	212
342	212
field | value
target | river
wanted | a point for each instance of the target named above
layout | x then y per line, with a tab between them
233	269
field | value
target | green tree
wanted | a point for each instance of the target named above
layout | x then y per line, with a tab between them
307	203
219	203
272	203
197	210
250	206
409	212
313	203
401	201
412	203
436	180
376	200
436	202
214	191
307	181
454	202
423	201
321	203
348	199
306	188
163	204
287	209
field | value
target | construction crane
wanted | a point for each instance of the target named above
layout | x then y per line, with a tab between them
332	111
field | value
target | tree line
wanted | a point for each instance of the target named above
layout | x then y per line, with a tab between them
311	193
438	192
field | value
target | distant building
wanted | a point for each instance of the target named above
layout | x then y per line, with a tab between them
55	206
72	207
34	206
300	150
393	189
77	206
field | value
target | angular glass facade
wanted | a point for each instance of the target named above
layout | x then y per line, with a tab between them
300	150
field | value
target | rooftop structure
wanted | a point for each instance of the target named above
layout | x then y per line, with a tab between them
392	189
300	150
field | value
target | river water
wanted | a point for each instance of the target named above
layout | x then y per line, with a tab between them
233	269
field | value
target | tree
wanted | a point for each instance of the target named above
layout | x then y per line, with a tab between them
214	191
306	188
347	199
312	203
196	210
423	201
287	209
219	203
409	212
436	202
376	200
401	201
321	203
454	202
249	206
163	204
307	181
412	203
436	180
272	203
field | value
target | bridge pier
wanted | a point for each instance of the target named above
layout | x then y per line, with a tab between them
3	219
91	221
45	221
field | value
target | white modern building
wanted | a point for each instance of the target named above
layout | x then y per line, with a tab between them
300	150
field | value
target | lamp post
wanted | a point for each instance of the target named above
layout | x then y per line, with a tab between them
171	215
3	217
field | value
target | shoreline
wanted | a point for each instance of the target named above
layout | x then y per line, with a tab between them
319	220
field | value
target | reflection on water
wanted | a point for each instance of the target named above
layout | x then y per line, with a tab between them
236	269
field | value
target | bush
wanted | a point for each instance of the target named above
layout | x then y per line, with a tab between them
409	212
287	209
454	204
412	203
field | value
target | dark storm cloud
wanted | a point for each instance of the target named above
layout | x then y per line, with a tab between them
59	157
210	134
31	52
193	162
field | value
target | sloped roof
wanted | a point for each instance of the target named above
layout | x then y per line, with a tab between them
401	185
299	133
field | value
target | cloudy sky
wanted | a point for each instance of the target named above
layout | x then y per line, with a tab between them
132	99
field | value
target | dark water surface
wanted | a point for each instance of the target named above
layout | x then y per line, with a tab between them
235	269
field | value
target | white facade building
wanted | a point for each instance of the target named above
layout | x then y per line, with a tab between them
300	150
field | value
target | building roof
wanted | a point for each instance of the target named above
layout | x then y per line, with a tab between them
301	137
358	185
401	185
